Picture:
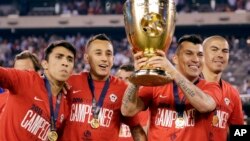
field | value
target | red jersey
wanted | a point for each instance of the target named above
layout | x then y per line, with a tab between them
125	134
3	98
228	112
78	127
161	103
144	117
27	113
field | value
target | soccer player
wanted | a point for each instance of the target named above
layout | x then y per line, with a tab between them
36	109
176	108
96	96
23	61
27	61
124	72
229	110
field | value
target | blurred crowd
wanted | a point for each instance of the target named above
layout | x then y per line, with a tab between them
239	54
99	7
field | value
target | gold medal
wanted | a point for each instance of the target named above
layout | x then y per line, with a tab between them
52	135
179	122
215	120
94	123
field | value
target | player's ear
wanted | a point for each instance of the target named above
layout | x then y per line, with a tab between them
175	59
86	58
44	64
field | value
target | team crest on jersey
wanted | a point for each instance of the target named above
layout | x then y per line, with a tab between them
227	101
113	97
87	135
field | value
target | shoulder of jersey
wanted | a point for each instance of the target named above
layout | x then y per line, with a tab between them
227	86
117	81
78	75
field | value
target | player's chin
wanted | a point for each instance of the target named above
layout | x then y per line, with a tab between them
195	74
217	71
103	72
63	77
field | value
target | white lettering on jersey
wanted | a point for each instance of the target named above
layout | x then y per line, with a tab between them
82	113
124	131
79	112
167	117
189	117
223	117
105	117
36	124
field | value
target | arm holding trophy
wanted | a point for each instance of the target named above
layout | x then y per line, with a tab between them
149	26
132	103
156	82
198	98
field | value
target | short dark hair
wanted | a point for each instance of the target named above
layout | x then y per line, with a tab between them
28	55
58	43
127	67
102	36
193	38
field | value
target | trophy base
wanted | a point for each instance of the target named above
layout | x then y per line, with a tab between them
150	77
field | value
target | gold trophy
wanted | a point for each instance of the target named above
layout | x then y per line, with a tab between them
149	25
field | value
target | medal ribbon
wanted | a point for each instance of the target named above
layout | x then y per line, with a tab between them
53	113
180	105
96	106
1	90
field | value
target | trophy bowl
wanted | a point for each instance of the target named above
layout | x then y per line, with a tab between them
149	25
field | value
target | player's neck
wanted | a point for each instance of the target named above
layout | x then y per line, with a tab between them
55	85
194	80
211	76
99	78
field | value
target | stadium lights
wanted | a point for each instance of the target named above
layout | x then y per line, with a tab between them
12	19
64	18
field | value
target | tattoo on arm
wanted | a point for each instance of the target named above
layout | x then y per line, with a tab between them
130	95
185	87
198	99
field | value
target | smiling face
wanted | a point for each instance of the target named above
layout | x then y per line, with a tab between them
99	56
216	52
189	60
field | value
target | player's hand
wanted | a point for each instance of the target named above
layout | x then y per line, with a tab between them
139	60
160	61
66	88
